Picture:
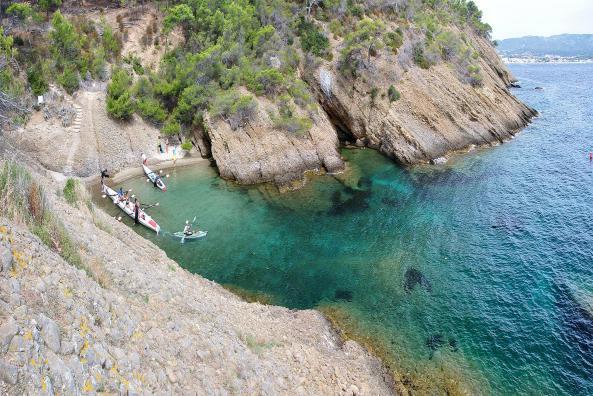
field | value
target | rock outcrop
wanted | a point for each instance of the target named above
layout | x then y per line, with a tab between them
436	114
257	152
131	321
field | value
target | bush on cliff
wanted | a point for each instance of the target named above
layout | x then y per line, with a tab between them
120	104
393	94
234	108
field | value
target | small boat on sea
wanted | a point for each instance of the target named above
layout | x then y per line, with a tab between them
128	208
154	176
195	235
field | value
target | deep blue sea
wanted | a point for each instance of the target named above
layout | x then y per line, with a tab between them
475	276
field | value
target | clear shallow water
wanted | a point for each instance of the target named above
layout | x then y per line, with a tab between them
500	240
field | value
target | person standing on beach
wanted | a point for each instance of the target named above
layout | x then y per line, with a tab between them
144	159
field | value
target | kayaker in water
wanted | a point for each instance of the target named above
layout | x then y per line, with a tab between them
187	229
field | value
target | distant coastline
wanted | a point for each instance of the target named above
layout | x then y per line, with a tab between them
554	59
563	48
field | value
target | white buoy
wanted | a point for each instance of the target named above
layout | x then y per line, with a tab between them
103	196
147	180
167	175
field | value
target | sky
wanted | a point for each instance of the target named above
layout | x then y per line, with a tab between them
517	18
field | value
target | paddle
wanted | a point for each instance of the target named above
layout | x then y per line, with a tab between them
150	206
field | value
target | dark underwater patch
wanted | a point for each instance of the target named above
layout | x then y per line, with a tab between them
577	321
453	345
351	200
413	277
343	295
390	202
435	341
508	224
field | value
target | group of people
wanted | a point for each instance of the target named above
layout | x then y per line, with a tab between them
135	206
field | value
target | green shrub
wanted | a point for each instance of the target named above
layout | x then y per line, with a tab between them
65	42
111	41
187	145
474	76
267	81
134	61
120	83
37	80
394	40
69	79
98	67
120	104
121	107
20	10
70	191
152	110
361	44
312	39
393	94
234	108
293	124
419	57
171	127
336	27
47	5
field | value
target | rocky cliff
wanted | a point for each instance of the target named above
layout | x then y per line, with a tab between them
437	112
126	319
257	152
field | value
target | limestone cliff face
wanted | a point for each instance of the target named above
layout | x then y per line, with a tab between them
257	152
437	112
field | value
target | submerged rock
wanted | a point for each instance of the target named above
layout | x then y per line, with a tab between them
414	277
453	344
435	341
345	295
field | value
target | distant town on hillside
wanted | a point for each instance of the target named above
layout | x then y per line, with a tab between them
559	48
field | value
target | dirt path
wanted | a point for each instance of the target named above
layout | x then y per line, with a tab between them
74	131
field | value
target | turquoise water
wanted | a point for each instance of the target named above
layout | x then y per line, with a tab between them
472	276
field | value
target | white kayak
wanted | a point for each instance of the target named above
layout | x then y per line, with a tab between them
143	218
192	236
152	176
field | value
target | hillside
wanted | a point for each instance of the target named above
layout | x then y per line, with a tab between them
566	45
268	90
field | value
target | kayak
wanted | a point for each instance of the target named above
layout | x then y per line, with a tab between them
143	218
195	235
151	175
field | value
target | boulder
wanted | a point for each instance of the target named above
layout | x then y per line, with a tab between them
50	332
